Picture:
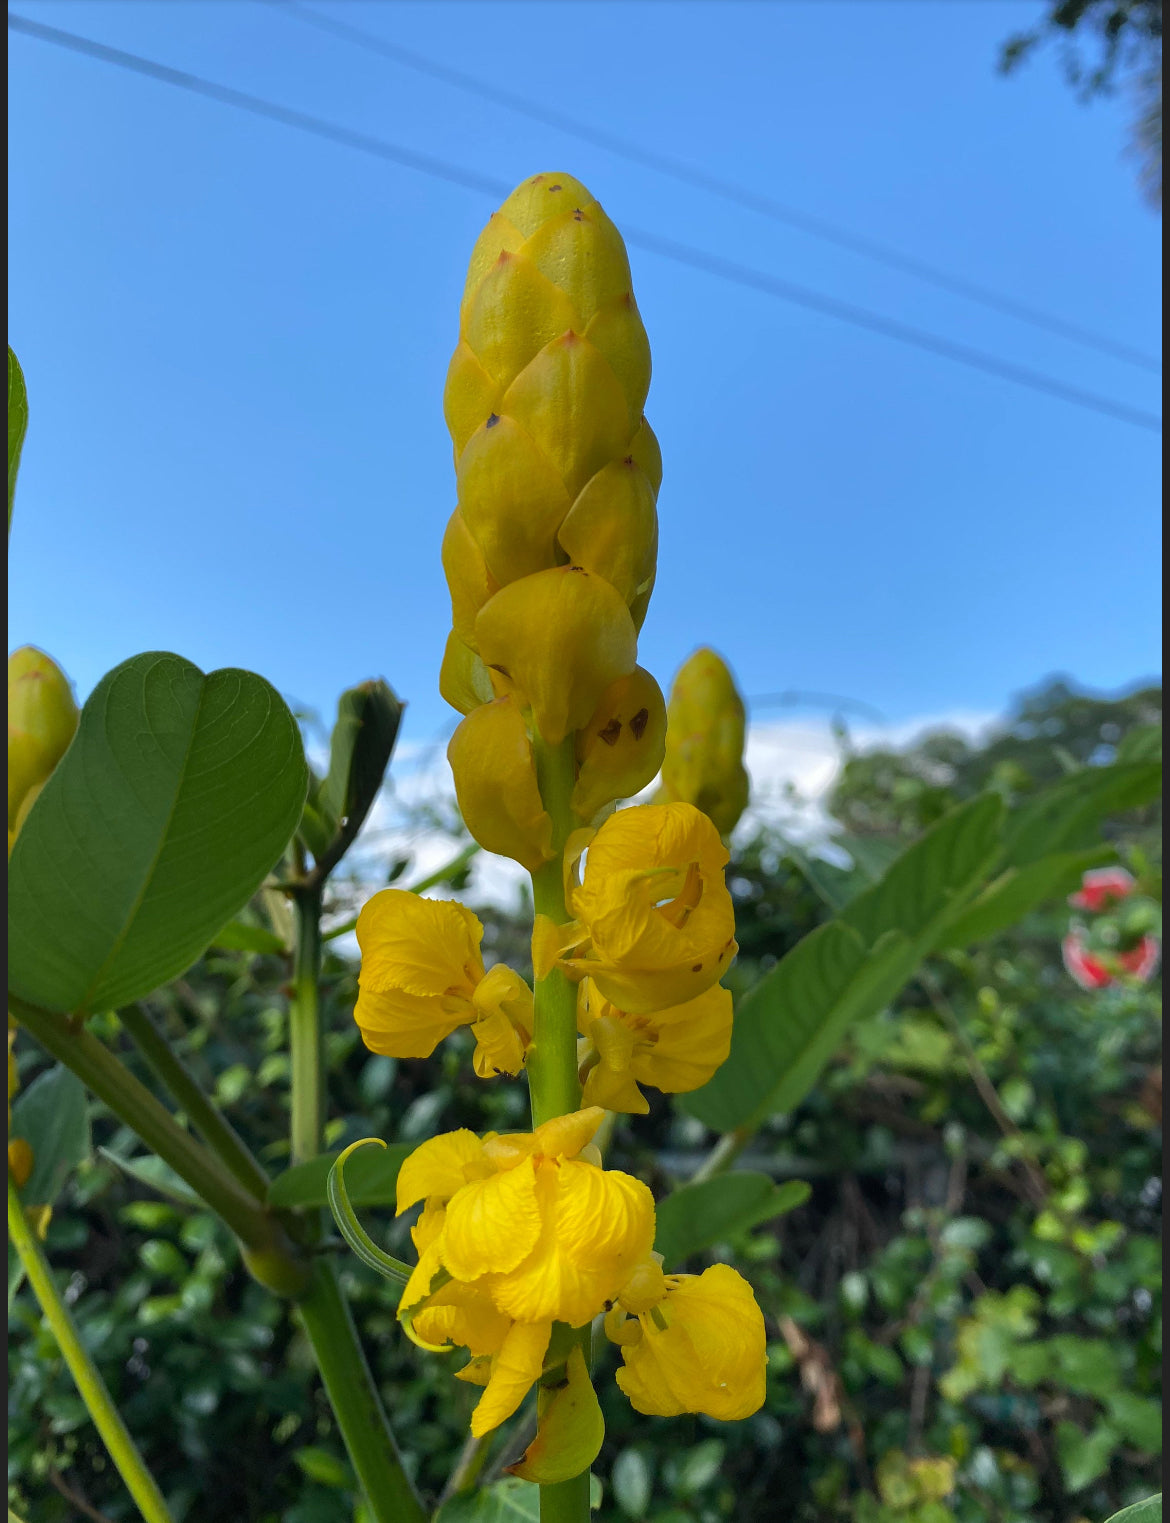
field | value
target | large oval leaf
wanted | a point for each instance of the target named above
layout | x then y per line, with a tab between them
177	796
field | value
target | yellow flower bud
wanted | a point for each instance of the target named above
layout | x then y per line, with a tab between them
544	402
470	582
20	1162
42	720
658	914
495	782
422	976
620	750
705	741
558	640
702	1349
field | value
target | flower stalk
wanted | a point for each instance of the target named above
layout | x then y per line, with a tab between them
92	1389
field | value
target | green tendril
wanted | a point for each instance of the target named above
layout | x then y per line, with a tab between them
351	1229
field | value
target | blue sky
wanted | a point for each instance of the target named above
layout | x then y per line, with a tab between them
235	337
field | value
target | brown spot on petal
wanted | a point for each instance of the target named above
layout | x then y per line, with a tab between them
611	732
554	187
639	722
493	419
503	671
698	968
578	215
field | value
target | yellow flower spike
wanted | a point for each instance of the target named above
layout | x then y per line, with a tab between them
569	1428
705	741
511	497
503	1031
42	720
559	639
659	915
468	578
702	1349
515	1369
469	396
515	312
464	681
541	197
674	1050
495	783
612	528
620	750
420	967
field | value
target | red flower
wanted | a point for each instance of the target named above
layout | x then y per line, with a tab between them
1101	887
1093	972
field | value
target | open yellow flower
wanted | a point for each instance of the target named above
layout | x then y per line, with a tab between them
547	1234
422	976
673	1050
696	1344
658	914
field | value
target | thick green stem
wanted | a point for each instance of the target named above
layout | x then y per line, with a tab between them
305	1035
113	1083
552	1064
121	1447
170	1070
349	1384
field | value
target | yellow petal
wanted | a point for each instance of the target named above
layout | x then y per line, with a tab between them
437	1167
620	749
515	1370
463	678
709	1358
646	1287
419	946
693	1040
503	1031
616	332
560	638
615	1090
463	1316
495	783
406	1025
511	497
492	1225
569	1429
612	527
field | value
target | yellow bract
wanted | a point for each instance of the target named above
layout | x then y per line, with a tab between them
673	1050
422	976
657	912
700	1349
620	750
705	741
42	720
495	782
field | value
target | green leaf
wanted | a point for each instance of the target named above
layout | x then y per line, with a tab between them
508	1501
368	717
155	1175
322	1466
1149	1511
1143	744
1019	890
1084	1456
177	796
1138	1418
370	1178
17	424
789	1025
236	936
52	1118
632	1483
1066	816
696	1216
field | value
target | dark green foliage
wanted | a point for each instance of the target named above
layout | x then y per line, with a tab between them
962	1317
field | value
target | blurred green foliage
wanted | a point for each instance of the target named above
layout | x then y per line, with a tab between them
963	1315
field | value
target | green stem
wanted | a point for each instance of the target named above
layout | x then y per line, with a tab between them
353	1395
305	1036
139	1481
552	1064
170	1070
723	1154
113	1083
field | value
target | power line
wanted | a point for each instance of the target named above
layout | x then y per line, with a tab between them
716	185
679	253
